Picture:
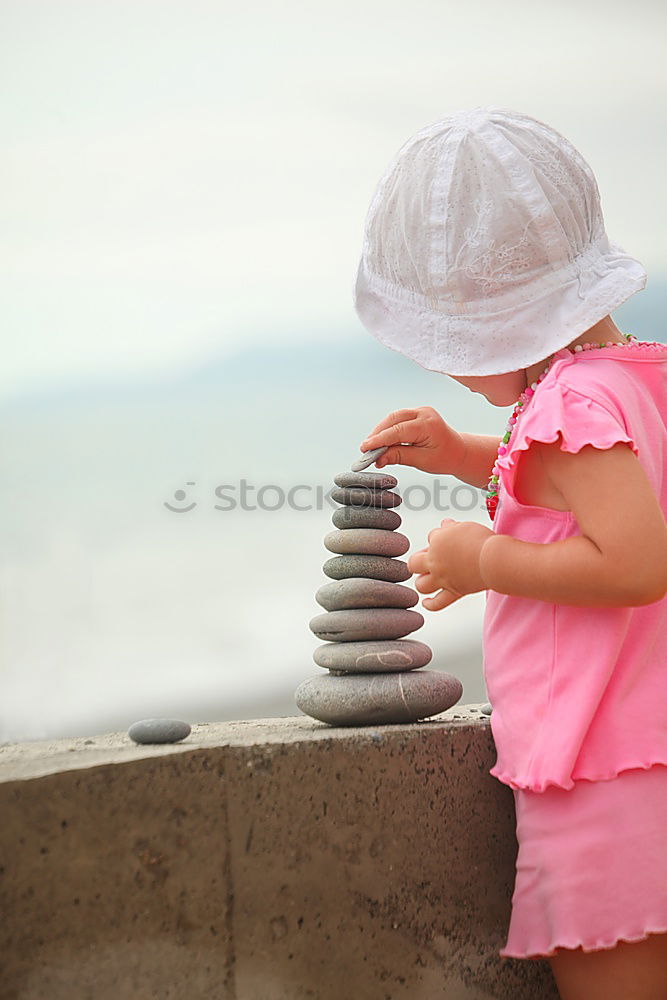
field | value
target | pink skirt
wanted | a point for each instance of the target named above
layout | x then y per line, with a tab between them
591	869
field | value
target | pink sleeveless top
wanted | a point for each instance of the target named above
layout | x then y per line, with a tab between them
579	692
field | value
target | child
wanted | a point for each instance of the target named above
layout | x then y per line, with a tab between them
485	258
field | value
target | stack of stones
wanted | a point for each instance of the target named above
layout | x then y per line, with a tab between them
374	674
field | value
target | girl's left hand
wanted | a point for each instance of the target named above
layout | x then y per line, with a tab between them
450	562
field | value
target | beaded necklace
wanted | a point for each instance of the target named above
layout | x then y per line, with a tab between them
494	481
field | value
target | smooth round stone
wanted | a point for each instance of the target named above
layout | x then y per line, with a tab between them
360	496
365	623
367	458
374	567
372	699
359	592
486	708
370	480
373	657
366	517
367	541
158	731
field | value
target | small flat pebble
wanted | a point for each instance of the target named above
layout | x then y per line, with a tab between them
367	458
158	731
367	541
360	592
486	708
360	496
365	624
373	567
384	698
370	480
373	657
366	517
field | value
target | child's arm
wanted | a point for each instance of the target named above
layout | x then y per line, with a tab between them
476	463
620	558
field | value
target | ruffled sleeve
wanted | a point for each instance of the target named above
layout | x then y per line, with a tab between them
557	409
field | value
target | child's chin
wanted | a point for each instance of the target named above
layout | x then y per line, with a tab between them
497	399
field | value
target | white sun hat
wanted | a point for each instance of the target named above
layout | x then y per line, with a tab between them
484	247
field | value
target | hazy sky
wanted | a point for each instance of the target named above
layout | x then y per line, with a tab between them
179	176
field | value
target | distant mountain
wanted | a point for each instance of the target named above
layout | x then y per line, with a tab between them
336	362
332	360
354	358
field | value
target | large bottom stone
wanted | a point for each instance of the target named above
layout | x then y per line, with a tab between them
377	699
377	657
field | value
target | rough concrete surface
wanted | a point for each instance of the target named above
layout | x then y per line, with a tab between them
269	859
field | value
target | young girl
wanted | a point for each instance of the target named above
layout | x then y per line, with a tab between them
485	257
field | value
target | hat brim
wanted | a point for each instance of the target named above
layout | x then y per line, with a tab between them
457	341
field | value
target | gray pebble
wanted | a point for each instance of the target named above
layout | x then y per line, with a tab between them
359	496
371	480
367	541
368	457
158	731
373	657
367	699
360	592
358	624
374	567
366	517
486	708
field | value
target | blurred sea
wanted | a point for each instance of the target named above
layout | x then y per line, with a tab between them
114	607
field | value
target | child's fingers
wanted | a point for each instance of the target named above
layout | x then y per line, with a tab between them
404	432
441	600
417	561
425	583
393	418
405	455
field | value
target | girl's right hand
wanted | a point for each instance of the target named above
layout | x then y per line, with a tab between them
418	437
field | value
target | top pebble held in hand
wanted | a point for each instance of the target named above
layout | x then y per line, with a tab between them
419	438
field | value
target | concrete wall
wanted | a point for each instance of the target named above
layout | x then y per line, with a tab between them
272	859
